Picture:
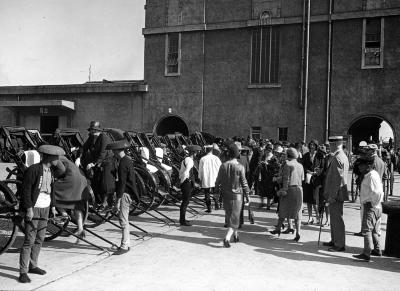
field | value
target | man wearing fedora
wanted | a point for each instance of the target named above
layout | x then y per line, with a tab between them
98	164
36	197
335	193
126	187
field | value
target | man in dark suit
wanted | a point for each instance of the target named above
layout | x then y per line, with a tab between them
335	192
36	198
98	163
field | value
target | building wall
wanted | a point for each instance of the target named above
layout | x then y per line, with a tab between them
181	94
357	92
231	108
119	110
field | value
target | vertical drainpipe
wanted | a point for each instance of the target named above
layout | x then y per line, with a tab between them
204	67
302	55
329	72
306	73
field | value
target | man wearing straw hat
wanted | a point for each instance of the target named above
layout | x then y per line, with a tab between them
36	198
335	192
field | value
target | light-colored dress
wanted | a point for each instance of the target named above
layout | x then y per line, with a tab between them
292	178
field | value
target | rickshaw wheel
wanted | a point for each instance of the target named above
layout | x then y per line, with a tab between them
8	227
146	188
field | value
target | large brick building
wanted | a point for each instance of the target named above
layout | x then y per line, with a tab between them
240	67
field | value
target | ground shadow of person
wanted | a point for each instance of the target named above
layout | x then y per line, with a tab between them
262	242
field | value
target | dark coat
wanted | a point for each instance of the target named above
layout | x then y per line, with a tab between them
31	185
256	159
267	171
69	183
94	150
126	178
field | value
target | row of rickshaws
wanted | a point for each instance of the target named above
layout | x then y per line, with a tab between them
156	162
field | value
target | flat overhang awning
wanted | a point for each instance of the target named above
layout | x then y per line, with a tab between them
39	103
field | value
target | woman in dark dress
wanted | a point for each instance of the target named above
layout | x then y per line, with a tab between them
69	190
231	180
312	164
267	170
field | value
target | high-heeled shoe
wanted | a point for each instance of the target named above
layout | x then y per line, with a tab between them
236	239
226	244
297	238
288	230
276	231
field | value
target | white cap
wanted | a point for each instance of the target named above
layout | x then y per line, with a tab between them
362	144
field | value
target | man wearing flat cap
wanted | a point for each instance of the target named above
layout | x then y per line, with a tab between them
98	164
126	188
36	198
335	192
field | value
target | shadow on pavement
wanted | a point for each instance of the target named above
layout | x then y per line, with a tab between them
257	237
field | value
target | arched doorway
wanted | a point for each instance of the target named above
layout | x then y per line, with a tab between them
371	128
171	124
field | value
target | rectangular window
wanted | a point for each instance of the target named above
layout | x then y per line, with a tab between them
283	133
172	54
256	132
372	43
265	55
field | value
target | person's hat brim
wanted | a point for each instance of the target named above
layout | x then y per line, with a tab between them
51	150
118	145
335	138
193	148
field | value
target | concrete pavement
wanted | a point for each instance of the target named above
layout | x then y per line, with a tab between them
192	258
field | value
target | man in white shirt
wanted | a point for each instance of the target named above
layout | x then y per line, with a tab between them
187	179
371	195
208	172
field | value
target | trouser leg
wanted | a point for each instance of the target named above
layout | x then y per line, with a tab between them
34	236
207	192
368	244
43	214
124	221
186	188
337	224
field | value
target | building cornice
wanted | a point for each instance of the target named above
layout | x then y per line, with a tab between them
274	21
95	87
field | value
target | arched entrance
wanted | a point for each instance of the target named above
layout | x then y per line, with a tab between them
371	128
171	124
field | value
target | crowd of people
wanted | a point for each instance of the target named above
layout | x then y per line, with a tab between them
292	175
280	173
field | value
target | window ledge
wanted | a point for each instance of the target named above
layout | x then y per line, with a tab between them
172	75
371	67
262	86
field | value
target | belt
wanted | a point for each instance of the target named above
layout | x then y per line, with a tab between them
294	186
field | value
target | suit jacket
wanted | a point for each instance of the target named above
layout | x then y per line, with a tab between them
94	151
336	177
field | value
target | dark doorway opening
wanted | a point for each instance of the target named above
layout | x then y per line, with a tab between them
170	125
48	124
371	129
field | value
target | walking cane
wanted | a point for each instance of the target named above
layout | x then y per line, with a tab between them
321	217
